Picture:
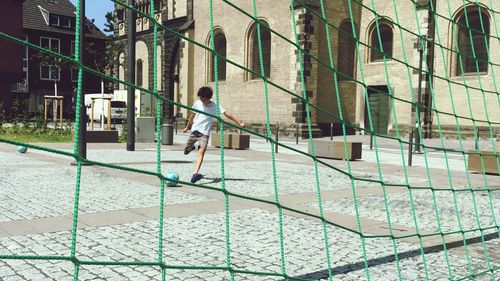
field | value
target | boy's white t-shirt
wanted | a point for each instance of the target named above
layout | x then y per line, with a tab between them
203	123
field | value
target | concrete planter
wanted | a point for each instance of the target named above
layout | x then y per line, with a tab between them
231	140
490	162
335	149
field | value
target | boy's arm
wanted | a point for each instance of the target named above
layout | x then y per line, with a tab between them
234	119
189	122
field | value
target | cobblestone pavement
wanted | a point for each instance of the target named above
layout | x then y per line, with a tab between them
200	241
119	218
447	208
48	192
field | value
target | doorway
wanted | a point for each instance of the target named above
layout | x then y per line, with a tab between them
378	99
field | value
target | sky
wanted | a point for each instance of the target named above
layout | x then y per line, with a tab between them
96	9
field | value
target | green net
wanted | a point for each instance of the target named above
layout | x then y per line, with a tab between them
425	67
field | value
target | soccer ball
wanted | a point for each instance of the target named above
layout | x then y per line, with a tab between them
22	149
174	177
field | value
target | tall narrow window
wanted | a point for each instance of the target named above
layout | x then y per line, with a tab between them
121	70
158	6
380	45
472	31
73	68
139	72
253	49
221	49
22	86
347	49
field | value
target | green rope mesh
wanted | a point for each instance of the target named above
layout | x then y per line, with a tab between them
459	115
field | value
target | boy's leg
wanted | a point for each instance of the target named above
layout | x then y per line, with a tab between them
199	159
193	137
203	141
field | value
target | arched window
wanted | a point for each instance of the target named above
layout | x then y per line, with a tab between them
253	50
383	41
472	32
221	49
139	73
347	50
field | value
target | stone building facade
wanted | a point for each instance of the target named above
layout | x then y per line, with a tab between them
354	66
245	94
455	90
190	63
175	15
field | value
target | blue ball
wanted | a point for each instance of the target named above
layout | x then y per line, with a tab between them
174	177
22	149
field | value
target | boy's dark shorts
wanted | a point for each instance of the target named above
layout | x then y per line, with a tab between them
197	137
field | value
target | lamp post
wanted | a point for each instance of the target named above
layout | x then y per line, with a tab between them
415	124
131	79
82	132
421	50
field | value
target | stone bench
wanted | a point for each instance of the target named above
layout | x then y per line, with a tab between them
231	140
489	161
335	149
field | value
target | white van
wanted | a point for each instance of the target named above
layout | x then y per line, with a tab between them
118	108
145	103
121	95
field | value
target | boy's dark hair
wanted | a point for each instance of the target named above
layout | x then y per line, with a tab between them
205	92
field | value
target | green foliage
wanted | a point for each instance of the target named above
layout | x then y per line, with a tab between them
2	115
33	134
19	111
123	136
109	25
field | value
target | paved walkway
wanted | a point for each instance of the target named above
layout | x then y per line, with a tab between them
119	214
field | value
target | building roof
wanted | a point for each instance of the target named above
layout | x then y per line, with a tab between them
33	17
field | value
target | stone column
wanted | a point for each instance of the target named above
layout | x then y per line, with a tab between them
308	42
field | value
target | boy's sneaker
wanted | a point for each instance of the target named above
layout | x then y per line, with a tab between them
196	177
187	150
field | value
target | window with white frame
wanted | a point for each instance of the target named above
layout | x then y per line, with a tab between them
25	65
48	68
54	20
66	22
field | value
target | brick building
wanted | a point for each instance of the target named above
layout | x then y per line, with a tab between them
11	66
51	24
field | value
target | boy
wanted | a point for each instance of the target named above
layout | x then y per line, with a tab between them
201	127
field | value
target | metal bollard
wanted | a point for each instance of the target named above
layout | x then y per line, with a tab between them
410	147
476	139
297	133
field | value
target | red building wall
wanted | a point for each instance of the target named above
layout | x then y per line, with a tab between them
11	21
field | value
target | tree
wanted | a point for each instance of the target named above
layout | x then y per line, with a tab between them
51	65
109	25
106	63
